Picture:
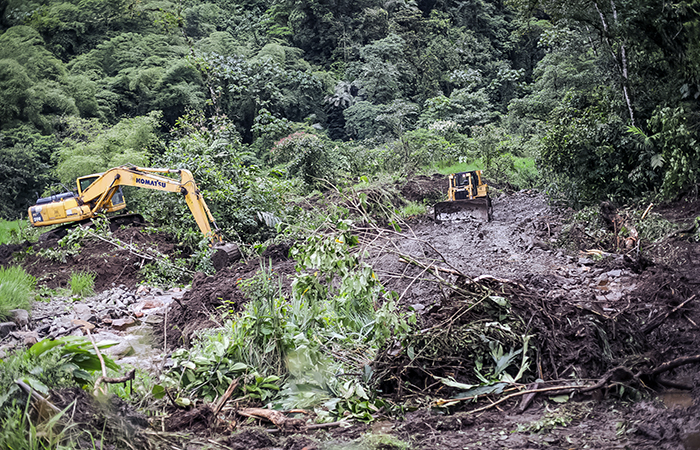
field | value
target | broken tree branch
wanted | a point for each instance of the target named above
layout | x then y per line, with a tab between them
37	396
276	417
655	323
231	387
665	367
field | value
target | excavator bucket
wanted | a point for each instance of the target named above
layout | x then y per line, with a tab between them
462	210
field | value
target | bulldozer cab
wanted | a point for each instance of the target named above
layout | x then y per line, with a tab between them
464	185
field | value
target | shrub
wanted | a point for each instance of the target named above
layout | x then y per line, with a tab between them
306	156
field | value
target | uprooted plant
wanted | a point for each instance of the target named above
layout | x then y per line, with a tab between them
310	348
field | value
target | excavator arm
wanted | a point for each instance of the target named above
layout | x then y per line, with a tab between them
100	192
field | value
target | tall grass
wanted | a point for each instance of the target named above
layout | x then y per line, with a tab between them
16	287
9	231
460	167
82	284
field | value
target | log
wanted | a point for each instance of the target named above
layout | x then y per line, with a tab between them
225	255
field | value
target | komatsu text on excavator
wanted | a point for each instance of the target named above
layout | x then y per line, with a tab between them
101	193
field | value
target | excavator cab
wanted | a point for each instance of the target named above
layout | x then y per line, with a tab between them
116	202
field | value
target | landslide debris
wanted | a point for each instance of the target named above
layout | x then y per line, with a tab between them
591	310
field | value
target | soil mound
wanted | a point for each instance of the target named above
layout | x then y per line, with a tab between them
210	295
425	189
111	262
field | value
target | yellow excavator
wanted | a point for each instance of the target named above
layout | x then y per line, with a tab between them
467	198
101	193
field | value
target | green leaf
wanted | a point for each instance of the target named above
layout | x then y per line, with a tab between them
158	391
496	388
36	385
455	384
560	398
44	345
188	365
182	401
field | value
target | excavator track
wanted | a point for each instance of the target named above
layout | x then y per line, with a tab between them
115	222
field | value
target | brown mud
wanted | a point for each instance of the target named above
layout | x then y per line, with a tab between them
111	264
592	313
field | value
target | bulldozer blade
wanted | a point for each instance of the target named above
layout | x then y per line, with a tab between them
460	210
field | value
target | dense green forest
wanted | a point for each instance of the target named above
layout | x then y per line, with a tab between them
262	97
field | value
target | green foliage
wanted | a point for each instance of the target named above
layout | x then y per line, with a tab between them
584	158
359	120
382	73
92	148
276	80
33	86
16	287
670	154
305	156
234	192
297	343
50	364
19	432
10	231
550	421
82	284
384	442
17	232
25	167
413	209
268	129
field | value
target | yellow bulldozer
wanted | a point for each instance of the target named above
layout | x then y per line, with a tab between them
467	198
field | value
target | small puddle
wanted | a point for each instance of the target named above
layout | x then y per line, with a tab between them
692	441
676	399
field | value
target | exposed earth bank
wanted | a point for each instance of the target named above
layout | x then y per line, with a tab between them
594	313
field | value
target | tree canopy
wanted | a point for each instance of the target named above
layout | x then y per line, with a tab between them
603	95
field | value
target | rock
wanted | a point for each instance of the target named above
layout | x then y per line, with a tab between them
142	290
85	325
6	328
614	273
82	312
150	304
28	338
20	317
123	324
43	330
62	322
154	319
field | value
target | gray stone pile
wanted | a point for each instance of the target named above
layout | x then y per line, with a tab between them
119	315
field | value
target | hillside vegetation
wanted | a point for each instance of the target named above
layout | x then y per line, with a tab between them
602	96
